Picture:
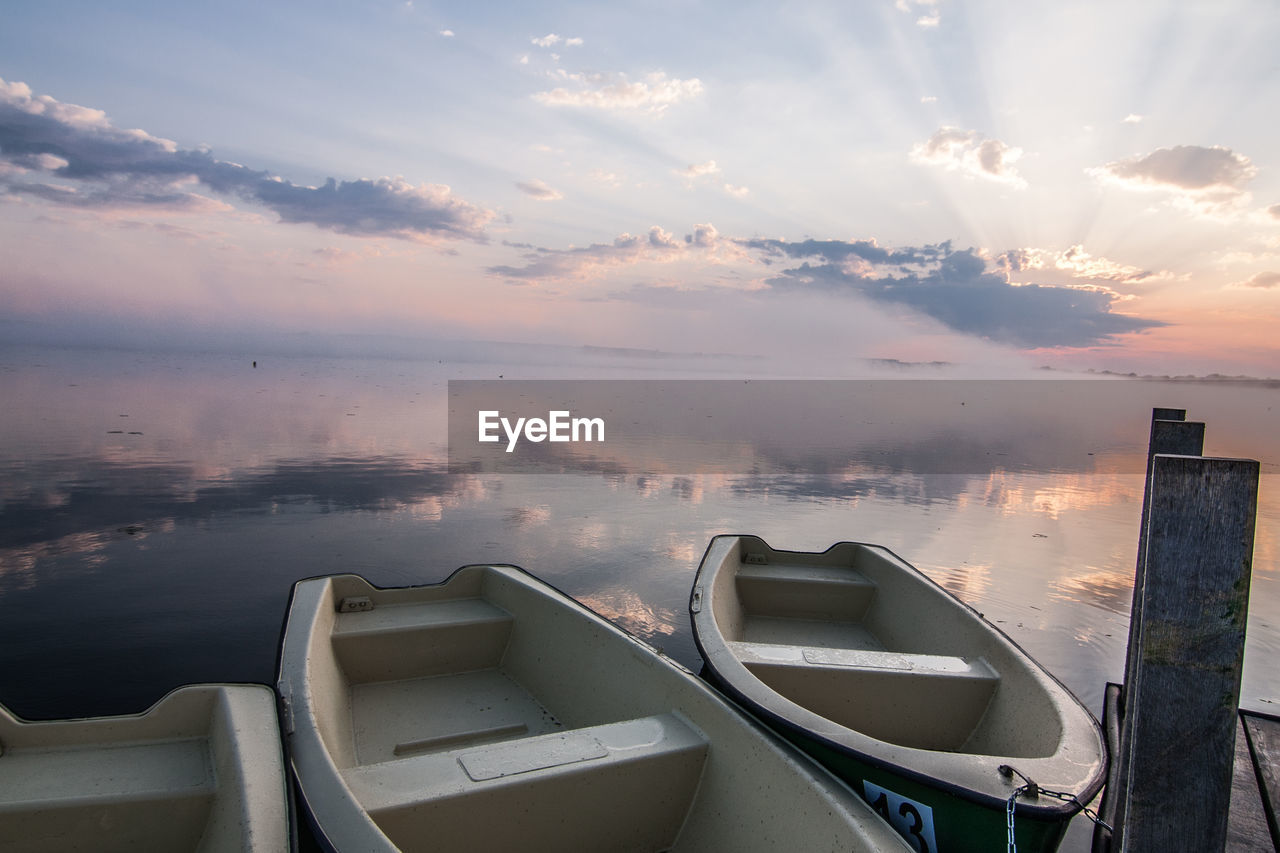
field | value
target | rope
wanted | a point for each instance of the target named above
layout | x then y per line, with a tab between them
1033	791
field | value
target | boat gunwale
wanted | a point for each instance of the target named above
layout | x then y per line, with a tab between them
1057	811
194	687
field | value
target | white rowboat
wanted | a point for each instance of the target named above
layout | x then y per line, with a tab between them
201	770
491	712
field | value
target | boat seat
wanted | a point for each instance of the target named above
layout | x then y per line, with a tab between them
804	591
159	794
784	655
626	785
920	700
391	642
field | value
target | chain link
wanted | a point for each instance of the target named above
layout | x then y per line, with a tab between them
1009	809
1033	790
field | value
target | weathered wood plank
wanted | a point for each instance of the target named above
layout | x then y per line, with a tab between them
1181	704
1247	820
1263	734
1176	437
1171	433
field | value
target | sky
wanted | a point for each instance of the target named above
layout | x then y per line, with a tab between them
1079	185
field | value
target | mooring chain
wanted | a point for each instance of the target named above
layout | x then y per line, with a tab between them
1033	791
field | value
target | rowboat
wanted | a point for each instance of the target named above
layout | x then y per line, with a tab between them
491	712
201	770
926	709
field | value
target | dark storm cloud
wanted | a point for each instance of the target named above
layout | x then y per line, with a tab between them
956	288
73	155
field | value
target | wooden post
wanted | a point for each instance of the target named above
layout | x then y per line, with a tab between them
1181	701
1171	433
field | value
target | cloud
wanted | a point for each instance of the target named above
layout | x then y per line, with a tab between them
539	190
960	289
1265	280
704	235
609	179
1132	118
698	170
971	153
1076	262
1184	167
654	94
1274	210
389	207
551	39
845	253
592	261
1208	181
932	16
73	155
695	171
957	289
447	33
121	195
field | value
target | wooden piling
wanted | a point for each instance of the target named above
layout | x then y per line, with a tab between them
1171	433
1180	708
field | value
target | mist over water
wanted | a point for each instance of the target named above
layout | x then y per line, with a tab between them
156	508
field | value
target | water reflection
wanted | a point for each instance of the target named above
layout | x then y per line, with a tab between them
1109	589
968	582
130	564
528	516
67	504
830	427
629	610
852	486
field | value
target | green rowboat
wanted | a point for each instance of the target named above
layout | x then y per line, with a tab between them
909	695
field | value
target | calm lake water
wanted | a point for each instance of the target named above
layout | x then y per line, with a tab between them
156	508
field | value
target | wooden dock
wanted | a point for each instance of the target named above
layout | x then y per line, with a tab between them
1255	790
1188	770
1255	783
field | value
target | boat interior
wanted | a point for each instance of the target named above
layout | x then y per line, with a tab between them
171	779
860	638
441	710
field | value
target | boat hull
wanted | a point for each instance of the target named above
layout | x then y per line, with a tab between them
807	643
927	816
492	712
